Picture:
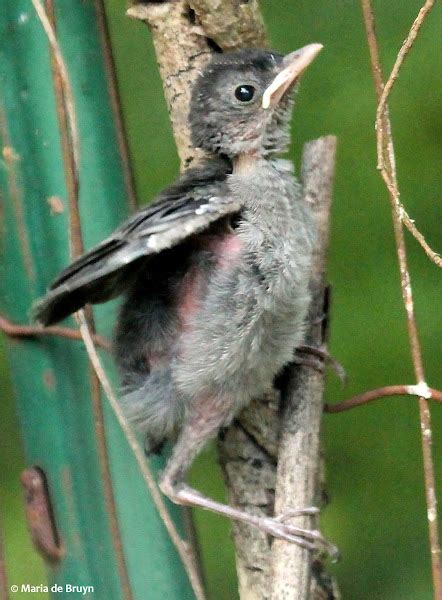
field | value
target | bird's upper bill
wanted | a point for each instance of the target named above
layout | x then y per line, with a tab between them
293	65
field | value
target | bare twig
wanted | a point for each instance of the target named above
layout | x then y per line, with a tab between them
383	132
71	155
31	331
70	142
420	391
180	544
387	160
298	471
403	52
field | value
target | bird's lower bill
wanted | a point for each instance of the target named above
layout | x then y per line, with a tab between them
294	64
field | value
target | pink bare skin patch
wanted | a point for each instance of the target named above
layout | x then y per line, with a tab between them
226	249
189	296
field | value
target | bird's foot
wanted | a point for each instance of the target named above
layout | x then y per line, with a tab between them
311	539
316	359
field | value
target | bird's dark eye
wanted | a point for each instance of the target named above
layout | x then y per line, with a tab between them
245	93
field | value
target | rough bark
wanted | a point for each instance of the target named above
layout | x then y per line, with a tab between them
248	454
285	433
296	574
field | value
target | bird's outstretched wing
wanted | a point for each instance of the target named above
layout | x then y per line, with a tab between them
197	199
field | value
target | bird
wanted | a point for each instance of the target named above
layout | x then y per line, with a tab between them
214	273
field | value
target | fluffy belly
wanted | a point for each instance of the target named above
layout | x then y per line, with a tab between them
236	334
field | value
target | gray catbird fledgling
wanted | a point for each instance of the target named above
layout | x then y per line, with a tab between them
215	272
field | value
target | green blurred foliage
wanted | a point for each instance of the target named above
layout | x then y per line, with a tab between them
377	513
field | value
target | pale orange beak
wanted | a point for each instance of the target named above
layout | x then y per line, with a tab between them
294	64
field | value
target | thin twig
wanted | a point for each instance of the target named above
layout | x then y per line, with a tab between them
158	500
31	331
403	52
382	132
86	328
388	158
389	390
70	105
70	143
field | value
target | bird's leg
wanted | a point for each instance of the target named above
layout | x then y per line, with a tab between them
203	423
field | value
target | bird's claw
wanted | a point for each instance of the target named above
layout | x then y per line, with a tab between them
297	512
311	539
317	357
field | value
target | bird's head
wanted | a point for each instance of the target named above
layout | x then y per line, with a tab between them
242	101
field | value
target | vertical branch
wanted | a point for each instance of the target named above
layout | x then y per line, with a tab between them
299	460
263	454
248	454
386	161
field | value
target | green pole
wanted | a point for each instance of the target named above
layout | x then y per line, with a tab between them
51	376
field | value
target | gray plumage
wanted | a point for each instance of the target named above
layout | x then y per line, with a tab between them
249	315
215	272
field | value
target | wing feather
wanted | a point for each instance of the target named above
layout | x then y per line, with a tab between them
190	206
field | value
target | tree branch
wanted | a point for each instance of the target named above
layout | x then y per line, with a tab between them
31	331
419	391
248	455
299	462
228	24
249	450
384	140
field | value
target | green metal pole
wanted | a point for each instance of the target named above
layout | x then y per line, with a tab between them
51	375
